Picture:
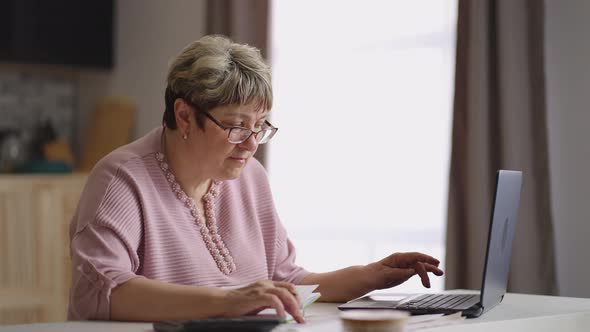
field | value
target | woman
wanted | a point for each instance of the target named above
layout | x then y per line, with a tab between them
167	220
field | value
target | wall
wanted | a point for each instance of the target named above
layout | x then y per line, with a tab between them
29	97
148	34
568	100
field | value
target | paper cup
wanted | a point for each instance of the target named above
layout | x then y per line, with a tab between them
374	320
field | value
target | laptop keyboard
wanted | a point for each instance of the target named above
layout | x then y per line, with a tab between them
438	301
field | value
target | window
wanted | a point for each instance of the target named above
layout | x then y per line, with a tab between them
363	96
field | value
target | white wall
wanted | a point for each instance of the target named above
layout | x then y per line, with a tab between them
568	89
148	33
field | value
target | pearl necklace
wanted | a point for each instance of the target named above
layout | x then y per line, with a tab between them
208	228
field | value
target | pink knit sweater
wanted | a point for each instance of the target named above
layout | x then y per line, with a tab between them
129	223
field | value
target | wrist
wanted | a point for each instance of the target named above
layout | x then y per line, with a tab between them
370	273
218	302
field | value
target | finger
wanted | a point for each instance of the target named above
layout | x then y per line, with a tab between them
434	269
290	287
272	301
404	259
420	257
256	311
408	259
289	302
421	271
287	285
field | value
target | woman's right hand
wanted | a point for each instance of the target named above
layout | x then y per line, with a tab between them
250	300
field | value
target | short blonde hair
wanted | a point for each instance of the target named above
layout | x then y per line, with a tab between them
214	71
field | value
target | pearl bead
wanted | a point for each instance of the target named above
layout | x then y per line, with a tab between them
208	227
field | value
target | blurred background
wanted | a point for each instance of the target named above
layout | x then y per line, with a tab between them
393	117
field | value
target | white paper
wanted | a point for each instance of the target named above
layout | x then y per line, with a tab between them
306	295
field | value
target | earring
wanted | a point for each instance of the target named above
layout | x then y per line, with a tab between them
184	137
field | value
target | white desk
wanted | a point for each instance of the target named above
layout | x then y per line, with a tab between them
517	312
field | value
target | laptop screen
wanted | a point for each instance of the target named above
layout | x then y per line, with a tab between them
500	236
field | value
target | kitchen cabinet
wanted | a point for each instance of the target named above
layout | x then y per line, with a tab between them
35	212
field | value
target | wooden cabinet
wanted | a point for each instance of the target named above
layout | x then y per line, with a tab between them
35	212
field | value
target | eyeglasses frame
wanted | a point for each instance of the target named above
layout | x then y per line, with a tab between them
230	128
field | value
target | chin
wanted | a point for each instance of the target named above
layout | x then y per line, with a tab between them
231	173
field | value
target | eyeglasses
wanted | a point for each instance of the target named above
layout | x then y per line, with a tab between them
238	135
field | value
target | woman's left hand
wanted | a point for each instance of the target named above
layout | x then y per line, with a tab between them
399	267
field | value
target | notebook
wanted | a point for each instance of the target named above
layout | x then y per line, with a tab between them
495	272
306	294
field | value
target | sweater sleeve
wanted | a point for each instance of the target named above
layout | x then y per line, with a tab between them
286	269
104	248
280	250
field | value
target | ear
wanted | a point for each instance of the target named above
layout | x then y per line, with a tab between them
182	114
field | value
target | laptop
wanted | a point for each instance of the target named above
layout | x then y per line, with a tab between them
495	272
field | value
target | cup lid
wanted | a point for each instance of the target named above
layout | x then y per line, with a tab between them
374	315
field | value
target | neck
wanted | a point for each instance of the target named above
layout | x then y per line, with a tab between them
190	176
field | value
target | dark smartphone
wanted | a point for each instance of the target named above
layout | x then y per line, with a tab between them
241	324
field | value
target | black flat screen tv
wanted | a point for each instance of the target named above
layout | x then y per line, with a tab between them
59	32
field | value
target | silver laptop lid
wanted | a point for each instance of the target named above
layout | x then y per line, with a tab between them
500	236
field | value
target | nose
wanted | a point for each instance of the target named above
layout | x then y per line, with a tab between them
251	144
